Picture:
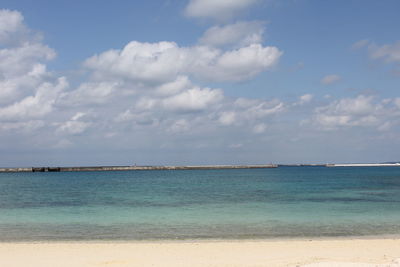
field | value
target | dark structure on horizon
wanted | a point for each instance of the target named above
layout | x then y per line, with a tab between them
134	168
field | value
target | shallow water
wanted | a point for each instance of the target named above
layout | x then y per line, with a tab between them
196	204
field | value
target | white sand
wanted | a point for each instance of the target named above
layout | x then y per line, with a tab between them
272	253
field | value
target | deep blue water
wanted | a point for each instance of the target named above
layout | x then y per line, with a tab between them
196	204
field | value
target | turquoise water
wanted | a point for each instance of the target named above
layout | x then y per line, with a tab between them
197	204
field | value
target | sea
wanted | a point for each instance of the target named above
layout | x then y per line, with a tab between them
283	202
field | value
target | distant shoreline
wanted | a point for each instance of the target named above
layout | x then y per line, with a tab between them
193	167
134	168
365	165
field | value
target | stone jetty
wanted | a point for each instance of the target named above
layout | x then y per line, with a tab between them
134	168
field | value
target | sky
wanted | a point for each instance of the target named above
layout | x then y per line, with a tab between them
196	82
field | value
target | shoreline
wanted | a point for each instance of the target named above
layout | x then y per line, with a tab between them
204	240
380	252
188	167
133	168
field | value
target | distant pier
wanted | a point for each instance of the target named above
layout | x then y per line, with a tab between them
200	167
365	165
134	168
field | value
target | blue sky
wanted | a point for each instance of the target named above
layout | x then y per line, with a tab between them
199	82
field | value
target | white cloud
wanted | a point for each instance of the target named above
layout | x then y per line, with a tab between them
146	62
11	26
243	63
144	118
256	109
217	9
35	106
198	108
359	111
397	102
387	53
21	70
159	63
240	33
76	125
22	126
304	99
90	93
147	103
22	57
330	79
227	118
157	93
143	89
361	105
251	112
174	87
195	99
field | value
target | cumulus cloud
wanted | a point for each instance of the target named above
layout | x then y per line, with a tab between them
157	93
244	111
193	99
157	78
137	116
200	108
158	63
359	111
26	127
88	93
217	9
35	106
190	100
227	117
387	53
256	108
28	91
147	62
397	102
330	79
23	59
12	28
243	63
150	96
174	87
22	62
76	125
240	33
22	69
304	99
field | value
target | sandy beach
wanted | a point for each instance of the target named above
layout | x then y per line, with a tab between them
271	253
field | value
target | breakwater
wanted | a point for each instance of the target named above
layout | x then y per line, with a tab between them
134	168
364	165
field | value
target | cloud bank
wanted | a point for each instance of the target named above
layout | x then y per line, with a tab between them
148	100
